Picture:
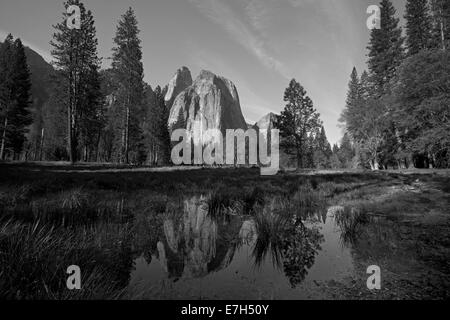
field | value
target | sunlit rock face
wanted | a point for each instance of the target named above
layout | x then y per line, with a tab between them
192	248
180	81
211	102
267	122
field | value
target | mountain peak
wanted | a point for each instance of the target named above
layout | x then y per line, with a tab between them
180	81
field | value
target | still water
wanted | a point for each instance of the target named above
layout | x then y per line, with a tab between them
198	256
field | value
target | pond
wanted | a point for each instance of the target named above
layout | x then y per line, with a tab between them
279	238
267	256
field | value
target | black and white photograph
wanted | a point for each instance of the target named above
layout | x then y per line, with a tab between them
249	151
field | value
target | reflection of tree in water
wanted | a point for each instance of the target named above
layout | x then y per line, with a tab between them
351	222
373	236
292	245
299	248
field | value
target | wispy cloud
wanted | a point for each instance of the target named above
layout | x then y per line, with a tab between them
221	14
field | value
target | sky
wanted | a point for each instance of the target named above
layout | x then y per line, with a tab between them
260	45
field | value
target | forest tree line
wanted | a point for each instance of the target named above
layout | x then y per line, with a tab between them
91	115
396	113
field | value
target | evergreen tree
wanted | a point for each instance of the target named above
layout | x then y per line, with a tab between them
6	90
418	26
54	118
349	117
15	97
365	118
92	115
422	114
385	48
335	163
75	54
128	70
346	152
323	151
157	131
20	117
298	120
441	23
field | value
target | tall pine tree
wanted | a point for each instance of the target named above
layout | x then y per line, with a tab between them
441	22
298	120
348	117
20	113
75	54
385	48
418	26
157	131
129	72
6	89
15	97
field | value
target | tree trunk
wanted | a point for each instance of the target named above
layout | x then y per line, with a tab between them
2	148
85	154
374	166
442	30
299	156
41	144
71	112
97	151
71	136
127	132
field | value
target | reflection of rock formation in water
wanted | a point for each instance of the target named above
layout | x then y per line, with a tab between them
194	243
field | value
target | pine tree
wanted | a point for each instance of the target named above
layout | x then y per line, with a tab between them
54	121
385	48
335	163
15	97
364	118
160	129
418	26
323	150
298	120
20	114
92	115
441	22
346	152
6	90
353	102
422	114
75	54
128	70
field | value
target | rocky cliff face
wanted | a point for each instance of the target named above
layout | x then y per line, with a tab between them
267	122
211	102
180	81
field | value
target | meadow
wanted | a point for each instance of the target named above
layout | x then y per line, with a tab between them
115	222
